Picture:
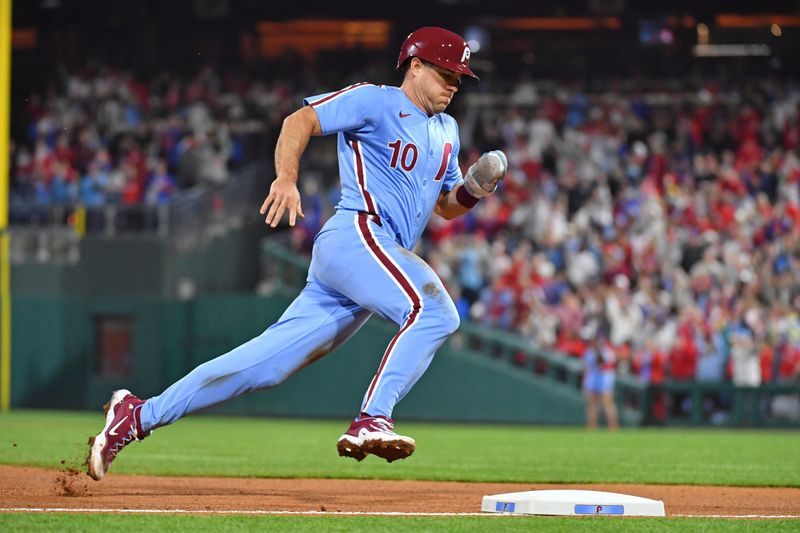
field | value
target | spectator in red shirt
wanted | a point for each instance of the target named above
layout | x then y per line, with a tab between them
683	358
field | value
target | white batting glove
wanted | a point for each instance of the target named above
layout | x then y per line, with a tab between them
482	177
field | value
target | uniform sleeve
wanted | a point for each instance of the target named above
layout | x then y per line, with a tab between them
353	109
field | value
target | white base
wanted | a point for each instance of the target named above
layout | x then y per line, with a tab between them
572	503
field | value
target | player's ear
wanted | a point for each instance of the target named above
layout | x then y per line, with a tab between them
415	65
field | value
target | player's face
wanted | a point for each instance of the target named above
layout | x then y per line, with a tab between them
440	86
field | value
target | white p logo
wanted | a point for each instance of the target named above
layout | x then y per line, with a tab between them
465	55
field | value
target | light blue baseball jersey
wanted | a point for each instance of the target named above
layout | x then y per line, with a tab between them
394	159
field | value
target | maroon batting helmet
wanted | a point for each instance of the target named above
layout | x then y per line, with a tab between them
438	46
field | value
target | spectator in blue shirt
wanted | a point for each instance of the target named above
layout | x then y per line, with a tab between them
93	186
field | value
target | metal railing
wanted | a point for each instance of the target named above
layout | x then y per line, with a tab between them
281	269
200	214
60	244
193	217
723	404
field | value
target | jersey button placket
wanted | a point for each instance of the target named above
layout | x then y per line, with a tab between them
431	135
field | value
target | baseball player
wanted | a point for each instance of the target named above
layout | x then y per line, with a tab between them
398	162
599	362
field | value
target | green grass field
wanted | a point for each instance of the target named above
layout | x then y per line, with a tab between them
315	524
229	446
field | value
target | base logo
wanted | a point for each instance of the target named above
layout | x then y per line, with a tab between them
505	507
599	509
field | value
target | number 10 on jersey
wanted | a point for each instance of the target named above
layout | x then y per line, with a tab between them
405	155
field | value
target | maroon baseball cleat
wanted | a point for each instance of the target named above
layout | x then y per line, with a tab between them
122	423
374	435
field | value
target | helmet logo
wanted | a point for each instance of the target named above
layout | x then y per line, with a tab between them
465	55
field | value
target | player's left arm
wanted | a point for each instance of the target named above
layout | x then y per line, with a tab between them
448	206
481	180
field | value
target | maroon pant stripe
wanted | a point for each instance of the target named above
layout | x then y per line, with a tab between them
408	288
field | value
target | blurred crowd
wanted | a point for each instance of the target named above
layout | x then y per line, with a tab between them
664	221
101	136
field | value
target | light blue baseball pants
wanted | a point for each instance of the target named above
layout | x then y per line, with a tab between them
357	269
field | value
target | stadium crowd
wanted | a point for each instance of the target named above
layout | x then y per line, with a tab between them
102	136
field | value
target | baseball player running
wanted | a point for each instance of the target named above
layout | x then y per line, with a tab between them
398	162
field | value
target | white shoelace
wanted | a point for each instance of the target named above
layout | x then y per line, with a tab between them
384	424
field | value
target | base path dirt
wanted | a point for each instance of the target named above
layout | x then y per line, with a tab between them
26	487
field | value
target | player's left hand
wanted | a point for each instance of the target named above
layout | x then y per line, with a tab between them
482	177
283	195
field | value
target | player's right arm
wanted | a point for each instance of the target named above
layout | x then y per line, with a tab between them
354	108
283	195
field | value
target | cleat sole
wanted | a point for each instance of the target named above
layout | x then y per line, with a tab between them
389	450
350	449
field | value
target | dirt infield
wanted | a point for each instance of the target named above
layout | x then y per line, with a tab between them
24	487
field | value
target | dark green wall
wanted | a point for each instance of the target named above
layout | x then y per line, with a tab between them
54	363
53	346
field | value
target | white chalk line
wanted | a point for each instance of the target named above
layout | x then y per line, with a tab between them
323	513
784	516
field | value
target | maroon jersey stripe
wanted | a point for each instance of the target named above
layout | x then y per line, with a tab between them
337	93
362	178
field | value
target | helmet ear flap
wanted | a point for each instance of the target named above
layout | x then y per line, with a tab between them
405	65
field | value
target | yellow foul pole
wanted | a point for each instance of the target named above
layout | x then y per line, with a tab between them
5	266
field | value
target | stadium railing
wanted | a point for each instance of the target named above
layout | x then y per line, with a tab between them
192	218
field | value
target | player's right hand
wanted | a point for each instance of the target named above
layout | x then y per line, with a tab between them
483	176
283	195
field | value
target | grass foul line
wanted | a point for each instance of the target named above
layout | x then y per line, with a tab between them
323	513
223	511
